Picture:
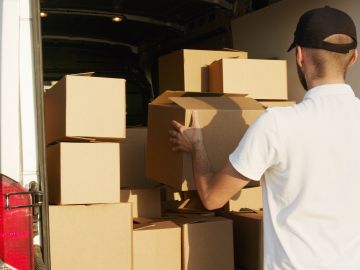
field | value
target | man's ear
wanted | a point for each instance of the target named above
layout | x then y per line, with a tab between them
299	56
354	58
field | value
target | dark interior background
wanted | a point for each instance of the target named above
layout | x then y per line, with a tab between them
81	36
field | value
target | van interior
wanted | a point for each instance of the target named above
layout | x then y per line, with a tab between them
124	38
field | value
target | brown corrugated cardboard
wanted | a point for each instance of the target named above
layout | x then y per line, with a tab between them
187	70
145	202
250	198
82	107
90	237
248	239
223	119
260	79
276	103
83	173
132	162
207	242
156	245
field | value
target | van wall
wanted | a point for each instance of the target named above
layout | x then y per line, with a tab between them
268	33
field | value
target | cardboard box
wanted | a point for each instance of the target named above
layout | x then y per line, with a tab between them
156	245
132	162
247	198
207	242
83	173
259	79
223	118
90	237
248	239
85	108
145	202
276	103
187	70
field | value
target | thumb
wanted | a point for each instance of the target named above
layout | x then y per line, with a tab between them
195	119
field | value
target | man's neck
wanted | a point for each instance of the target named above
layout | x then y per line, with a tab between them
313	83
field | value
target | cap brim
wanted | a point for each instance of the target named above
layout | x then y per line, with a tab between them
292	46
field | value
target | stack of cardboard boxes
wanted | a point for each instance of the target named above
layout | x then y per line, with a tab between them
229	91
105	190
89	227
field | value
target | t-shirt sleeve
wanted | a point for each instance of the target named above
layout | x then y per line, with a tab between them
258	150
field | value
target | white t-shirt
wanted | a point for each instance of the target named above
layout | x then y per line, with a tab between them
310	156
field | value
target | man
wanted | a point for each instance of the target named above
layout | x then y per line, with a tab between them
309	154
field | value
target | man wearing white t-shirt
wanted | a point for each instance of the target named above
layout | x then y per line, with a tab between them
309	154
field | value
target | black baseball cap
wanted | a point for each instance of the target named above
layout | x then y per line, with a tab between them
316	25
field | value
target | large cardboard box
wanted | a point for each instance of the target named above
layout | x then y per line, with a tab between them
223	119
156	245
91	237
259	79
145	202
82	107
187	70
207	242
132	162
83	173
248	239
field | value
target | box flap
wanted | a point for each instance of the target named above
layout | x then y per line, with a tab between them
165	98
154	225
222	102
86	74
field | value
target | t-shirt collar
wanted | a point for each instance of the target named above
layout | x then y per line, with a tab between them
329	89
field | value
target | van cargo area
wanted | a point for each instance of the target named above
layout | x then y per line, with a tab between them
107	78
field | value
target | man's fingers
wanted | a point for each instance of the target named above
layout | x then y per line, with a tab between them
173	133
179	127
173	140
195	119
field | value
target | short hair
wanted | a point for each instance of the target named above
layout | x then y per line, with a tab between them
328	62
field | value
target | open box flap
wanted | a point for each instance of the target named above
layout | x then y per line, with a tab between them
154	225
167	96
223	102
85	74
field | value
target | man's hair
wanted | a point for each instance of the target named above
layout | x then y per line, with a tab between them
328	62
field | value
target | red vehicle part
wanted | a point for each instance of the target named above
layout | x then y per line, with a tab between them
16	228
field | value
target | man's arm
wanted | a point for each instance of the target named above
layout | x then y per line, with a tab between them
214	188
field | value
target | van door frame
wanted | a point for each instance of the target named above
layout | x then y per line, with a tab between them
39	104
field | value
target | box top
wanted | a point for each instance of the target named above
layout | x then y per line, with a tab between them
225	50
152	224
236	58
257	215
207	101
186	219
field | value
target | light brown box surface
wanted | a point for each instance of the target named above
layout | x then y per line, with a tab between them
248	239
207	243
187	70
156	245
83	173
145	202
250	198
276	103
82	107
260	79
132	162
223	119
91	237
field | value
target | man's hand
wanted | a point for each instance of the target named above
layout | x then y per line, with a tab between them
186	139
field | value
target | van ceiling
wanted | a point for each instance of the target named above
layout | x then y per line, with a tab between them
145	24
81	36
